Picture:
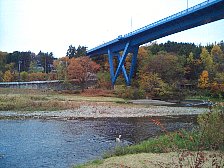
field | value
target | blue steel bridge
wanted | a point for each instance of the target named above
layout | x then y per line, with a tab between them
203	13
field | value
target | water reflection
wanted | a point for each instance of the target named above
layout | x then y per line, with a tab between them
58	144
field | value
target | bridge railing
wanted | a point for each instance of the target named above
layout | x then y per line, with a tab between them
169	18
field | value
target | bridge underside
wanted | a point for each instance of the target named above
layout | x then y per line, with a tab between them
207	12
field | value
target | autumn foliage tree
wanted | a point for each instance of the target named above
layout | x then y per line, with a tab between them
151	83
192	68
8	76
60	66
207	62
80	69
203	81
167	66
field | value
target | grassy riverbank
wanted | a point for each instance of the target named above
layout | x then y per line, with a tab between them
41	100
158	160
24	103
201	147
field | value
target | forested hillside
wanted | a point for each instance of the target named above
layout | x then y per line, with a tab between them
170	69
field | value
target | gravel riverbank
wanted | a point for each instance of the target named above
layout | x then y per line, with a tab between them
98	110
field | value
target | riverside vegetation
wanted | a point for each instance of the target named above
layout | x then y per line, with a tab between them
181	148
42	100
169	71
191	148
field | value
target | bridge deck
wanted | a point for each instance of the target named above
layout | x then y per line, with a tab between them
203	13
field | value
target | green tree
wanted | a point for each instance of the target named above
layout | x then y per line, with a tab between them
81	51
22	58
219	77
25	59
10	67
34	67
104	80
192	68
3	57
46	60
217	54
218	57
1	76
207	62
71	52
167	66
60	66
24	76
206	59
182	49
151	84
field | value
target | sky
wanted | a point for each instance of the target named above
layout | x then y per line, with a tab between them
53	25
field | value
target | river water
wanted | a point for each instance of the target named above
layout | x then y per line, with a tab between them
60	144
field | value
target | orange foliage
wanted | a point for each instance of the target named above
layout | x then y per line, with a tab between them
142	52
203	82
81	69
8	77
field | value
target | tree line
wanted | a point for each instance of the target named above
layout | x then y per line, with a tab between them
27	66
163	70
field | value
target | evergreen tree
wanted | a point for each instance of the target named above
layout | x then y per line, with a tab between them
71	52
46	60
3	57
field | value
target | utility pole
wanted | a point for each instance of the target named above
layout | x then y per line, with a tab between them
19	68
66	71
45	64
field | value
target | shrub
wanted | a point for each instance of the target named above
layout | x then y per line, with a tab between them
67	85
98	92
24	76
171	93
211	126
129	92
209	136
104	81
38	76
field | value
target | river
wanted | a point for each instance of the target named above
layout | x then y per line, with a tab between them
60	144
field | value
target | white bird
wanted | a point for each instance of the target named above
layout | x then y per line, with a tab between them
118	139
